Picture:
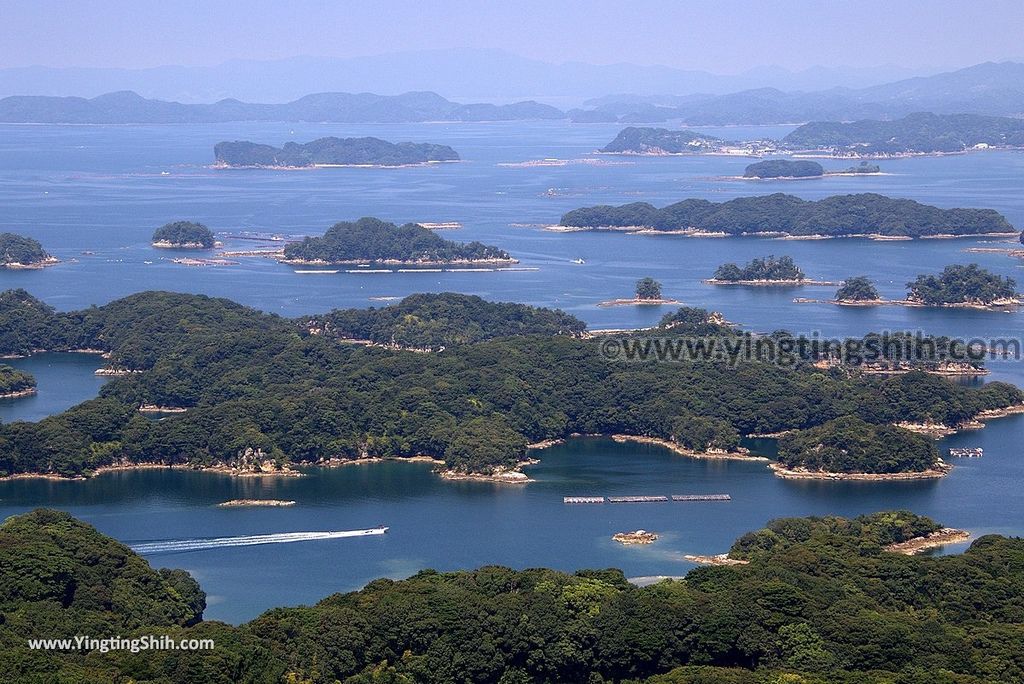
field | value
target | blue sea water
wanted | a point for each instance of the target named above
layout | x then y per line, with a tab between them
94	194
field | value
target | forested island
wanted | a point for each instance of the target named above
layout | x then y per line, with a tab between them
183	235
329	152
963	285
852	447
861	215
862	168
770	270
15	382
20	252
657	141
858	290
265	393
373	241
804	601
784	168
920	133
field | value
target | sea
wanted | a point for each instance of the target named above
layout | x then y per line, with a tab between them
94	194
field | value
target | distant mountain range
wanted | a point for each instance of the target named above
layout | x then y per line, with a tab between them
463	73
129	107
990	88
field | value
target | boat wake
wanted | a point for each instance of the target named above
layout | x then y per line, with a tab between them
202	544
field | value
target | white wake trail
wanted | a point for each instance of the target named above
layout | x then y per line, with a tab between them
175	545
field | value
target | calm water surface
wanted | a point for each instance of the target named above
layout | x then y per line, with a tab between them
103	189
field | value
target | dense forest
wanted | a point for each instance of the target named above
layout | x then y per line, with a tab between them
959	284
13	380
857	289
839	215
442	320
372	240
258	383
184	234
327	151
759	269
852	445
922	132
819	601
783	168
18	250
634	140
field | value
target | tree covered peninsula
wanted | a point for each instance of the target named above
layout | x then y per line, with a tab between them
20	252
183	235
370	240
635	140
921	133
862	215
15	383
330	152
806	601
258	387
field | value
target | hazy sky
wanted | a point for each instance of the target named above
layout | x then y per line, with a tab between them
724	36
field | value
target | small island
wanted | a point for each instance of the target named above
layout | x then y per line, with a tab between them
851	448
915	134
243	503
863	168
783	168
325	152
183	235
637	537
373	241
760	272
865	215
963	286
647	293
18	252
858	291
15	383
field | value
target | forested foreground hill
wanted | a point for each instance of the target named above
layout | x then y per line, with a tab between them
820	601
255	382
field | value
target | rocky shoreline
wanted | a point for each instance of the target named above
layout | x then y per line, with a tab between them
635	538
500	475
637	301
940	470
774	235
716	454
772	283
240	503
947	535
717	559
1007	305
28	392
400	262
153	408
939	430
167	244
34	266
